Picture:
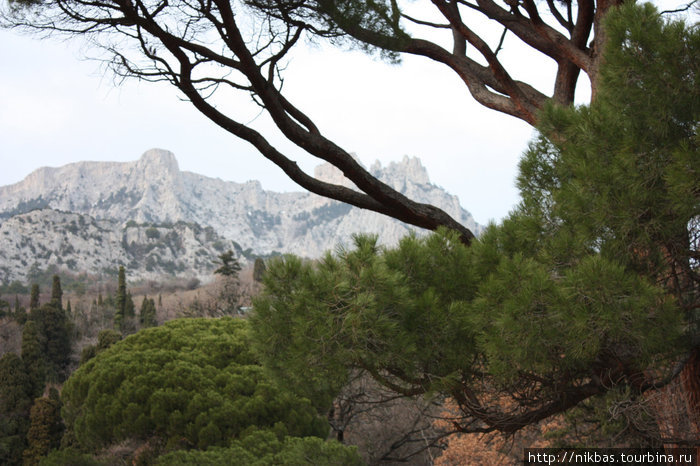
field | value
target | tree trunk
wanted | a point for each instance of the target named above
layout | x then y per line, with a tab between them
676	406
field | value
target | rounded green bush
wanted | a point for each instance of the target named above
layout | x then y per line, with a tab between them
191	383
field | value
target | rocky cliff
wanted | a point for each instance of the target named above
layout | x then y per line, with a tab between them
45	237
153	191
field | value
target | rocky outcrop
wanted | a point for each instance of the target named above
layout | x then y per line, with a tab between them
153	190
79	243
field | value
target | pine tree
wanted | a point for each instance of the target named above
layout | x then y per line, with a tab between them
229	265
230	286
586	292
136	378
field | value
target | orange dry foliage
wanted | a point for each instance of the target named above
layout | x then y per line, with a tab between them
494	449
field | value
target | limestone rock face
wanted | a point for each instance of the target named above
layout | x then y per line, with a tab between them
80	243
153	191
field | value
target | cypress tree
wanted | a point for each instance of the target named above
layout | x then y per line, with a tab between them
120	299
258	269
20	314
32	357
5	308
129	308
144	309
34	297
57	293
148	313
15	402
128	324
53	330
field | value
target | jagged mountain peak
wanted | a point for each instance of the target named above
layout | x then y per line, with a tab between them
332	174
409	169
153	190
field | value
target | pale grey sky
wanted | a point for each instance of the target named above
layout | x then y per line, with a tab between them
56	109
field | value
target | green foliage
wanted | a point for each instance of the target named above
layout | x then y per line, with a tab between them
416	318
33	357
258	269
264	448
129	308
580	290
56	293
625	171
120	300
69	456
532	323
190	382
147	315
15	402
34	297
400	310
45	430
229	266
105	339
54	336
20	313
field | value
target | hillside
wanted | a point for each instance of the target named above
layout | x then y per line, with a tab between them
77	242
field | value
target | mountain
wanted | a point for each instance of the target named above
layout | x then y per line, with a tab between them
76	242
153	191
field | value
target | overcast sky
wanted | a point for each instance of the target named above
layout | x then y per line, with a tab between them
57	108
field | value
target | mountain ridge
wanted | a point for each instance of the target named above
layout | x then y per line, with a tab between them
153	190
